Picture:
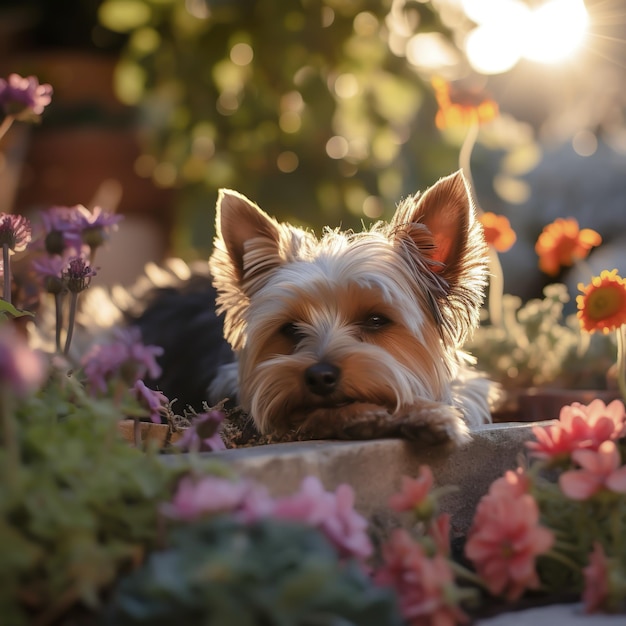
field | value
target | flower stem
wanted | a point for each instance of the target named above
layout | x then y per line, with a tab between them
496	278
6	260
71	321
58	313
621	359
6	124
9	437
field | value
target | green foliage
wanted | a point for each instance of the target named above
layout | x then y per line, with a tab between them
248	95
79	507
537	346
219	571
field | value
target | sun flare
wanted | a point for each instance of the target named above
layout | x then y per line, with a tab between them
510	30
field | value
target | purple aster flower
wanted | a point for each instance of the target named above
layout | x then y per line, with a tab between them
203	434
21	369
154	401
50	269
78	274
96	225
24	98
62	229
125	357
15	231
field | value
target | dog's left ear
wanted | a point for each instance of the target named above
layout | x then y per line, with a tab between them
440	222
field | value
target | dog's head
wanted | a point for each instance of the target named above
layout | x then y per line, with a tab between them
353	322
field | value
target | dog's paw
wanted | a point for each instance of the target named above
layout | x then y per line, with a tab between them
433	422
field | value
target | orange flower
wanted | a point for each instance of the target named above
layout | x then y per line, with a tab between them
562	243
498	231
461	107
602	305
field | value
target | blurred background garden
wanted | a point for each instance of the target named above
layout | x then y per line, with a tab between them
324	112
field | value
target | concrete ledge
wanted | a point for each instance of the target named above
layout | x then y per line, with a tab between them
374	468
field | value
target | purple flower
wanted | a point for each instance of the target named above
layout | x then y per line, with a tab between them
95	225
332	513
24	98
15	231
125	356
50	268
154	401
211	495
21	369
203	434
62	229
77	274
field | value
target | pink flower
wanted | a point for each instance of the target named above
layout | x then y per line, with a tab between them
600	469
15	232
596	574
513	484
211	495
332	513
504	540
439	531
50	269
424	585
24	98
579	427
203	434
415	494
22	370
62	229
154	401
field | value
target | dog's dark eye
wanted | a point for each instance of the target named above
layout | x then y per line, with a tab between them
375	321
292	332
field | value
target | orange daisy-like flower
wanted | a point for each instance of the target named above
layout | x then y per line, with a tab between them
461	107
602	305
562	243
498	231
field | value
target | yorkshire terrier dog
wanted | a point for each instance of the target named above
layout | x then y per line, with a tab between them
355	335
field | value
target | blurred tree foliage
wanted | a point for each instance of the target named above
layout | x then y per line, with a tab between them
298	104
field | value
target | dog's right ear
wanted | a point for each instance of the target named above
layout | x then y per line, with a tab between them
247	247
249	236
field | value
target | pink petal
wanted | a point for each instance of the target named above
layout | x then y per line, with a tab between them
579	484
617	480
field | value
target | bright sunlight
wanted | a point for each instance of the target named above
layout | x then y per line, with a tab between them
509	30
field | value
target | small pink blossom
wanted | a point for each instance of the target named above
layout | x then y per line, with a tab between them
332	513
439	531
22	370
513	484
50	270
62	229
94	226
211	495
154	401
504	541
596	575
24	98
414	494
600	469
203	434
424	585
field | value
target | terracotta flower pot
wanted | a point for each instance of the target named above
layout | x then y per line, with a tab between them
537	404
160	433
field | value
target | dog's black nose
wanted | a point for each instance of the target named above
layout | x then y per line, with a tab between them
322	378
